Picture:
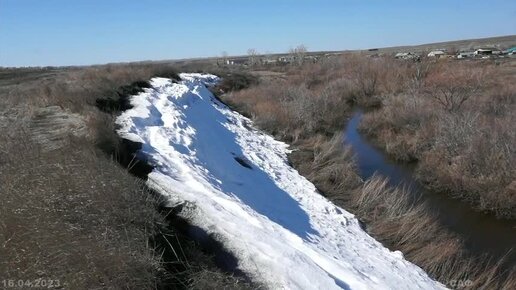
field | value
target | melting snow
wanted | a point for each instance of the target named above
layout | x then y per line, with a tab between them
242	190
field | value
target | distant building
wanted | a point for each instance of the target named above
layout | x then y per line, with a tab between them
332	54
286	59
235	61
406	55
269	61
511	50
437	53
311	58
400	55
487	51
466	54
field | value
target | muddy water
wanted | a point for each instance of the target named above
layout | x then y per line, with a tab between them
482	233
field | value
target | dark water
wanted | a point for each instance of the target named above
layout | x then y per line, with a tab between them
482	233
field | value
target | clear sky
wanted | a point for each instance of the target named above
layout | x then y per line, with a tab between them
65	32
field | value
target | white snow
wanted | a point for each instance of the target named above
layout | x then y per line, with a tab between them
283	233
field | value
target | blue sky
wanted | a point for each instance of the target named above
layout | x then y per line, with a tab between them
59	32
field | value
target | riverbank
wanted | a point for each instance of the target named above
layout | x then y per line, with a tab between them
457	124
481	233
306	107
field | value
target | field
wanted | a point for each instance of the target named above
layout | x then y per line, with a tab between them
72	212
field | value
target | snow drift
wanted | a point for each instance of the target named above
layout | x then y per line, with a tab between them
241	188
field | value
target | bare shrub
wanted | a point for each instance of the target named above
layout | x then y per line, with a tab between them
455	132
457	124
418	74
252	56
401	126
235	81
291	111
474	160
366	76
373	78
298	54
450	144
450	86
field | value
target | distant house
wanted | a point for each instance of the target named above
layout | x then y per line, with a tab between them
406	55
235	61
466	54
286	59
486	51
511	51
332	54
437	53
483	51
400	55
310	58
269	61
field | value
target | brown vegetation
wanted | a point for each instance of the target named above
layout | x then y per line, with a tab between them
307	107
458	125
69	212
74	215
407	226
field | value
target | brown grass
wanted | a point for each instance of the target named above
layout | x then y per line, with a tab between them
74	215
75	218
308	107
406	225
458	125
71	212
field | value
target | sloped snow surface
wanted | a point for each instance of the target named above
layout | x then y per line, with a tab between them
240	188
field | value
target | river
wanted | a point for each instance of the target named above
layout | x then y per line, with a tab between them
481	232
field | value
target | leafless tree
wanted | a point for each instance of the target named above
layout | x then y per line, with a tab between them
224	56
451	89
298	54
419	73
253	56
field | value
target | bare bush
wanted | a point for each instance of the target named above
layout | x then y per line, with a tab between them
463	148
457	126
252	55
298	54
455	132
452	87
419	73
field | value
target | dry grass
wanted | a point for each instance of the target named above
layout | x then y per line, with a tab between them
74	215
75	218
329	165
307	107
458	125
70	212
393	217
293	112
